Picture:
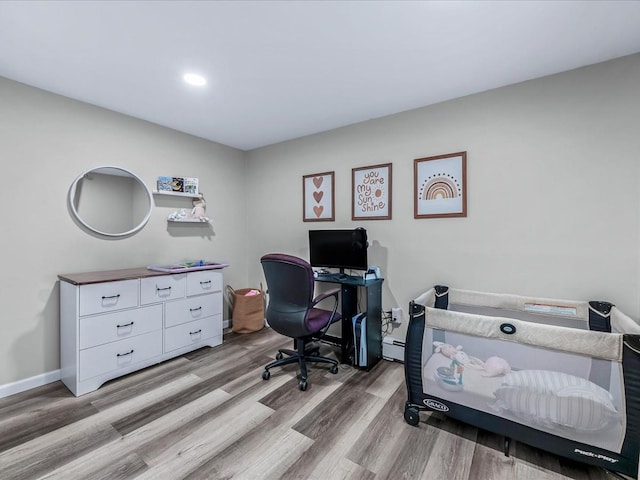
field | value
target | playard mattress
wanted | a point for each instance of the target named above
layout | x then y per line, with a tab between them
560	375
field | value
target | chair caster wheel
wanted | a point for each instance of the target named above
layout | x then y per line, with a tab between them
412	416
303	385
279	356
334	369
266	375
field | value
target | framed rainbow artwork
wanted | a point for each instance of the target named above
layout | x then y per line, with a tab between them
440	186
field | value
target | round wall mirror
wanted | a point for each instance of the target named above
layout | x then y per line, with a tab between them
110	201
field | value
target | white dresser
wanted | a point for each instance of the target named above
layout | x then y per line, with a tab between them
115	322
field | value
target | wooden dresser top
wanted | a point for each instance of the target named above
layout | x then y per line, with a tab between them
109	275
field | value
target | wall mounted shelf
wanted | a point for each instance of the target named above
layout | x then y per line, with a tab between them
178	194
188	220
185	219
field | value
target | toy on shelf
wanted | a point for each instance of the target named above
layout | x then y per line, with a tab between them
178	216
197	213
199	209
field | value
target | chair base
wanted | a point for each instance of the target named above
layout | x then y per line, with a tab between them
303	355
310	348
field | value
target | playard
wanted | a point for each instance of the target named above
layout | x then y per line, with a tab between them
562	376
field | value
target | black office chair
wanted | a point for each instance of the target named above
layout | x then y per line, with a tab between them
291	311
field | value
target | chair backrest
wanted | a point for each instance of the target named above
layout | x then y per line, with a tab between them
290	284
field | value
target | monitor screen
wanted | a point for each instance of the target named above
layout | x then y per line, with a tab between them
343	249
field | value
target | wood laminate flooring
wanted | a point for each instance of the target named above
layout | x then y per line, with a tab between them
209	415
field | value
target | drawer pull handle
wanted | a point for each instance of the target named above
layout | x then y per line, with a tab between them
208	282
165	288
195	309
197	331
110	296
124	354
125	325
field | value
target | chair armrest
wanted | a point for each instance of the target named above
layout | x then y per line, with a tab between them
331	293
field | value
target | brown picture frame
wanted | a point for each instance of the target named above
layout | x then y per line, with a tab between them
371	192
318	197
440	186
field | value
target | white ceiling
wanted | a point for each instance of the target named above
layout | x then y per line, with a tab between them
279	70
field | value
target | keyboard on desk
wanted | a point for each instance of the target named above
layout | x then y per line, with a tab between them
338	278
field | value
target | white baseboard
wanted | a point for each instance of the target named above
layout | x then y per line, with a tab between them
44	378
29	383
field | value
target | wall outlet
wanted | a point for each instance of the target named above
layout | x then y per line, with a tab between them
396	315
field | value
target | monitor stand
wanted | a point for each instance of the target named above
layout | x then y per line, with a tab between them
345	276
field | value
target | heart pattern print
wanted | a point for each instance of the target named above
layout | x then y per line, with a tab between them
318	197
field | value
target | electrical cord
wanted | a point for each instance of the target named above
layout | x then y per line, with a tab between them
386	322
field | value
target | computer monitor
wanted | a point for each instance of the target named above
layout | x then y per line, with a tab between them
343	249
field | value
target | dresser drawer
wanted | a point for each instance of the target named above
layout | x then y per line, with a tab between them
162	288
193	332
111	327
119	355
203	282
189	309
108	296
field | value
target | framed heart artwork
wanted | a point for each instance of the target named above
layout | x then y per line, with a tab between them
318	197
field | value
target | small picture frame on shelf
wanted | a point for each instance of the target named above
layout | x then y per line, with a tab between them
164	184
190	185
187	185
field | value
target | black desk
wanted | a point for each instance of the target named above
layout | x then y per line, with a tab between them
349	298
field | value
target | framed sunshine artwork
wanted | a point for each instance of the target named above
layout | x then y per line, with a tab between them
371	192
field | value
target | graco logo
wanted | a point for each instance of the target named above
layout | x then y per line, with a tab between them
431	403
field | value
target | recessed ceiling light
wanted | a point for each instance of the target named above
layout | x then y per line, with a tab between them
195	79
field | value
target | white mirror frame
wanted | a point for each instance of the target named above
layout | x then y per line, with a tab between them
72	194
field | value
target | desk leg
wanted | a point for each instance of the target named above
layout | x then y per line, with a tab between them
374	324
349	306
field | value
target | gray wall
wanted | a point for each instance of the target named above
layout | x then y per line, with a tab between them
46	141
553	203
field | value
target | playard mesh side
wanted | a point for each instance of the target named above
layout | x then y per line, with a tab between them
559	375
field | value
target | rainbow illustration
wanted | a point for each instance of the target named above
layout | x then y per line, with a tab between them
441	186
